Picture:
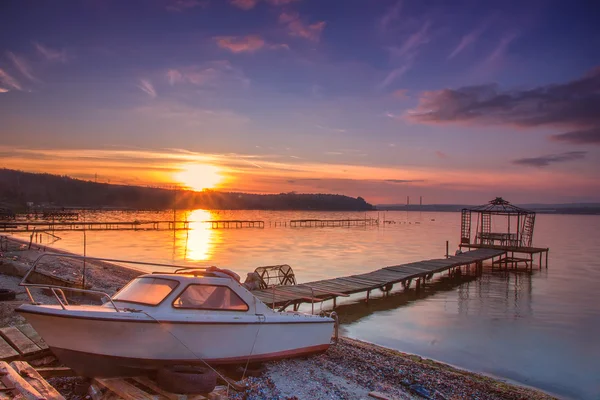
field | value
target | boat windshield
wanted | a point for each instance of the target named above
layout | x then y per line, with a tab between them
146	290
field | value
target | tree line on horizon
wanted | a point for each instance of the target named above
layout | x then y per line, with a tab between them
18	188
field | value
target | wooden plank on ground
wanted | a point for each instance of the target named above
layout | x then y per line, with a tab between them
11	378
7	353
33	335
19	341
153	386
36	380
125	390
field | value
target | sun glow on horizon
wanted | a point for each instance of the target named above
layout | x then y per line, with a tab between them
199	176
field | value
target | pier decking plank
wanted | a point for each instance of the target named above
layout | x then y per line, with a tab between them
33	335
7	353
372	280
19	341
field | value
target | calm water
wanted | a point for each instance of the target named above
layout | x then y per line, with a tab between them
540	329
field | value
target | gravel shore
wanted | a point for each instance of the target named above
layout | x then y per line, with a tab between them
350	369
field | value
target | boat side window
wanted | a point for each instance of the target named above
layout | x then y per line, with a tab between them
146	290
210	297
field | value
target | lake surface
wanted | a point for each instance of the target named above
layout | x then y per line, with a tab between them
539	328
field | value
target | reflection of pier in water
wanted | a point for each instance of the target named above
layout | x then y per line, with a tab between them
353	312
489	292
495	293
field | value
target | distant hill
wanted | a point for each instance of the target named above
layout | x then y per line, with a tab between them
569	208
17	188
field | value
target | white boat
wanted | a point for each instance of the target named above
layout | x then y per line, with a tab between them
186	317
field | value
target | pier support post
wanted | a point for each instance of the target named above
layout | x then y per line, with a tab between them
334	302
546	259
418	285
368	294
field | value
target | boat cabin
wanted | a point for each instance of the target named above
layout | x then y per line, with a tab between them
199	291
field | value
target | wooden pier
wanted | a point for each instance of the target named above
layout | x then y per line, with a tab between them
53	226
321	223
235	224
515	255
384	279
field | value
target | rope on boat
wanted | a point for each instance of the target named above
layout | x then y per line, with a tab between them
191	351
261	319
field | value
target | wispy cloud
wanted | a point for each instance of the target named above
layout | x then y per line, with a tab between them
237	44
209	74
413	42
405	54
182	5
572	105
250	4
336	130
280	2
403	180
393	75
500	50
9	82
298	28
21	65
146	86
244	4
544	161
2	90
466	41
441	154
51	54
585	136
391	15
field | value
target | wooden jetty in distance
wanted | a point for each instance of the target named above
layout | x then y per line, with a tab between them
321	223
28	226
235	224
330	289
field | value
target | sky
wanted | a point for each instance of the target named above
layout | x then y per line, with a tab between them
458	102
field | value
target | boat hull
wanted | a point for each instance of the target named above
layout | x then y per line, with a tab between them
104	346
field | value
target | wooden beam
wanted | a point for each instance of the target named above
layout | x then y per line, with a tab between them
36	380
11	378
125	390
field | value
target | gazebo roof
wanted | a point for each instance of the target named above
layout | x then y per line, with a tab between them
500	206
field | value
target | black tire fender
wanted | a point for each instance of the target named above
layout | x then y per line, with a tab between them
186	379
7	294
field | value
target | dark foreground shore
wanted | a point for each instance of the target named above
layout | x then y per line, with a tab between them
350	369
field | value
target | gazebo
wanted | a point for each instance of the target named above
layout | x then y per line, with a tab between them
497	224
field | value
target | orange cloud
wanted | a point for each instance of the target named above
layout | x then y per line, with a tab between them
236	44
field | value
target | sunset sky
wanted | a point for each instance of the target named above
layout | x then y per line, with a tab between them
457	101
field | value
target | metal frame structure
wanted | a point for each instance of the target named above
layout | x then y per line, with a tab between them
519	225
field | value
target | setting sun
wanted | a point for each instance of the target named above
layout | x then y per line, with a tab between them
199	176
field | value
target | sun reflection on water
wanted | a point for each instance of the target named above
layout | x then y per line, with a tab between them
200	241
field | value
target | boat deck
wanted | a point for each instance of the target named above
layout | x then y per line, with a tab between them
384	278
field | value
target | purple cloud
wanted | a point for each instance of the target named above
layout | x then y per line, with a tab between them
22	66
466	41
8	82
573	105
544	161
51	54
589	136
